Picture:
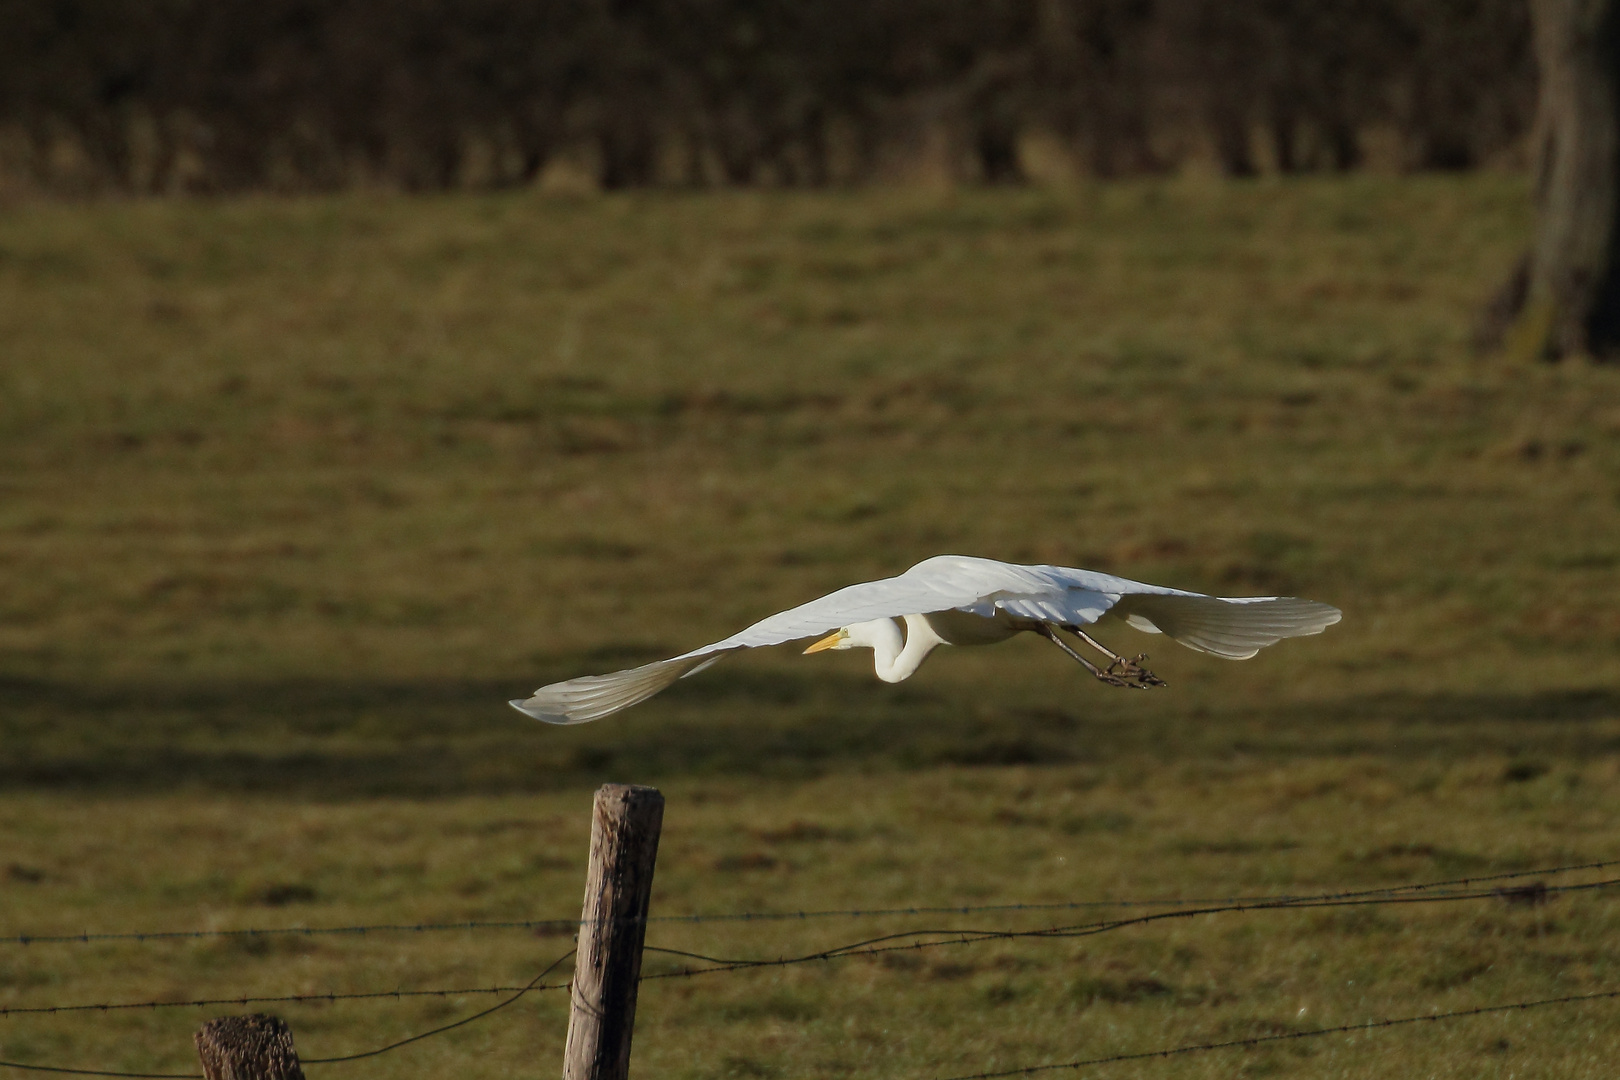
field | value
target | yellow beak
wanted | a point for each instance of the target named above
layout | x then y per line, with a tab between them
826	643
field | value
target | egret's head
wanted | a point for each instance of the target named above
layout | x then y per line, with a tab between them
866	635
838	639
883	637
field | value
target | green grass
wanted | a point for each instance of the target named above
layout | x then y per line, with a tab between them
294	494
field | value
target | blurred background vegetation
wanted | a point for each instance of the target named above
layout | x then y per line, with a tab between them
308	469
432	95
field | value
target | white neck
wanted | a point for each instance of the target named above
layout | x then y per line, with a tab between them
893	662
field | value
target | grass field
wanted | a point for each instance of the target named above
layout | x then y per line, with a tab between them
294	494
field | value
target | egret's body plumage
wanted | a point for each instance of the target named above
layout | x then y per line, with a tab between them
962	600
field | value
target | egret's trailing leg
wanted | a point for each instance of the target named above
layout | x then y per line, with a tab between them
1095	644
1049	632
1139	678
1131	669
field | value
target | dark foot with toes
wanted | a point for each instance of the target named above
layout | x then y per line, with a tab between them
1131	673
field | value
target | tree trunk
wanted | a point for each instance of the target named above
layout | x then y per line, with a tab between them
1566	300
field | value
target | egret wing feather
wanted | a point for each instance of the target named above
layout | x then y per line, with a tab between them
1233	627
591	697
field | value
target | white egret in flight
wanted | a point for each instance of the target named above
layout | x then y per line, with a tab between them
961	600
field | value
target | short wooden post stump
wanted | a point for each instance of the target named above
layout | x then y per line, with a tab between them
254	1047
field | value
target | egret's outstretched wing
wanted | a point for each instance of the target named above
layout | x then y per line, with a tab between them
1233	627
592	697
1056	594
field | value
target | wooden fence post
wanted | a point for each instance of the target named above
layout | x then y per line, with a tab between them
254	1047
613	927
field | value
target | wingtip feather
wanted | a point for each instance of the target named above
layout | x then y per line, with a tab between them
539	712
591	697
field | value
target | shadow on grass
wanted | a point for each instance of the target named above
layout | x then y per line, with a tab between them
436	738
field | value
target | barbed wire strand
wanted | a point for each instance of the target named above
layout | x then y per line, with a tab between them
957	936
534	984
877	945
95	1072
1259	1040
280	999
771	916
864	947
